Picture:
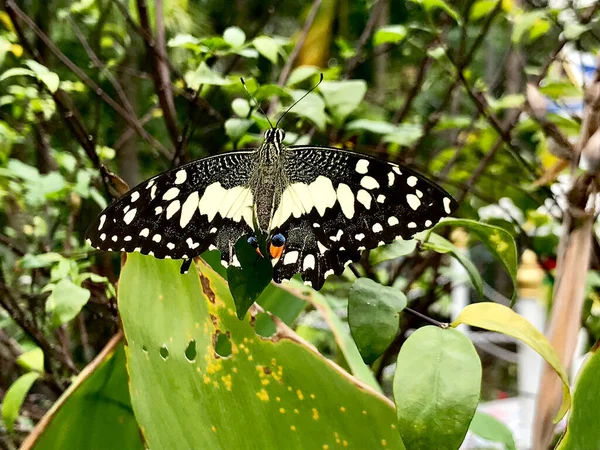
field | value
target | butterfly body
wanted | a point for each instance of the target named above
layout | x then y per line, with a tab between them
316	207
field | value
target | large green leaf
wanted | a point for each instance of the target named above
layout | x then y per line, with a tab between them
582	429
95	412
267	394
495	317
436	388
373	316
498	241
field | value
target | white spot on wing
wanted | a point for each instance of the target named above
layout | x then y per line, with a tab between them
309	262
103	236
322	248
428	223
323	194
362	166
413	201
145	232
171	194
392	221
173	208
127	238
157	237
397	170
170	246
412	225
359	236
153	192
135	196
115	238
327	273
180	176
191	244
411	181
346	198
102	219
129	216
188	209
377	228
158	210
419	193
369	182
447	205
364	198
380	198
290	257
391	178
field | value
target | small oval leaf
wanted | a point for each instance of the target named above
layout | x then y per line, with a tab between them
373	312
436	388
495	317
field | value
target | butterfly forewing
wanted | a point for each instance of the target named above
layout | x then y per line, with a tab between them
339	203
183	212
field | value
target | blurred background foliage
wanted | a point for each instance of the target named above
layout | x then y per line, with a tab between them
476	94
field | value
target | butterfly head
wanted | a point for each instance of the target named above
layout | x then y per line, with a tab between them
274	136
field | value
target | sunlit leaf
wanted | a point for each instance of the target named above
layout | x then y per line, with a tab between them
65	301
267	47
234	36
342	97
390	34
32	360
235	128
436	388
496	317
392	251
205	75
14	398
278	384
300	74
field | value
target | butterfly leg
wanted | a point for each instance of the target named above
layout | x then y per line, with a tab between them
185	266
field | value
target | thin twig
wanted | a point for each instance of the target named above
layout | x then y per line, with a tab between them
353	62
131	120
160	69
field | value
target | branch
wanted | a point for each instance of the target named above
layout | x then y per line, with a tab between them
353	62
13	9
160	69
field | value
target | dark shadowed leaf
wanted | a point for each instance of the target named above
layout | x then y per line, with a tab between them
373	316
249	280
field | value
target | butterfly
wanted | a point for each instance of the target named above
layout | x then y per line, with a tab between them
317	208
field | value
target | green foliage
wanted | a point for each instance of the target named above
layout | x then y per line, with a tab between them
14	398
582	430
499	318
291	390
492	429
373	316
436	388
248	281
101	394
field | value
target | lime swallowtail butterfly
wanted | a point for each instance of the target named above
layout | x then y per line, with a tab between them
317	208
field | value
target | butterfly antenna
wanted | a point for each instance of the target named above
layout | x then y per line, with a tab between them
255	102
299	100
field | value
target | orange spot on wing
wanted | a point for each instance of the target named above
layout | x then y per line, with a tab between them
275	251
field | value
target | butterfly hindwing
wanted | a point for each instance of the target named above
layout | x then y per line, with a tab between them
183	212
345	202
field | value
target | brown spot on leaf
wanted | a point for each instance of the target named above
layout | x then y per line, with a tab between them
267	370
214	320
207	289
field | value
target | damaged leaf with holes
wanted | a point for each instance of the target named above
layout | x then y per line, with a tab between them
277	384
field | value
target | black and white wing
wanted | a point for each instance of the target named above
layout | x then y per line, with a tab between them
183	212
339	203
